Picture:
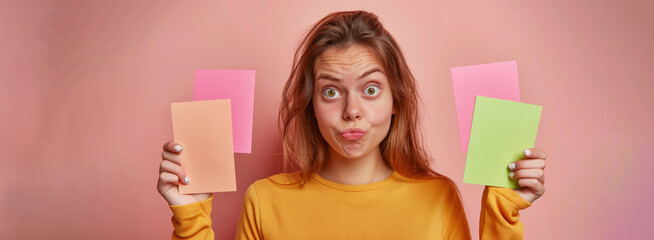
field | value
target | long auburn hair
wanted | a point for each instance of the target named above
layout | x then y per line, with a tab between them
304	150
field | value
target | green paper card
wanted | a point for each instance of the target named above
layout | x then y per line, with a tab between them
500	131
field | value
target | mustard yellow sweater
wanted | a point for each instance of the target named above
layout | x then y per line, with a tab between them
395	208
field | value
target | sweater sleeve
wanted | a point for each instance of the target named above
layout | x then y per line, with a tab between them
500	214
455	222
249	222
193	220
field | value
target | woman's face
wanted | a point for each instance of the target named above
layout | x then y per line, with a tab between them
352	100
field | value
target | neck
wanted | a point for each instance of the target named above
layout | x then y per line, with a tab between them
369	168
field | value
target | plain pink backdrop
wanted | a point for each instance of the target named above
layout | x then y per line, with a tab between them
87	86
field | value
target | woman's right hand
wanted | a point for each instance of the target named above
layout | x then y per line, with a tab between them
171	175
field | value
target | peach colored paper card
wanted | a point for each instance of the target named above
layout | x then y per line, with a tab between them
494	80
204	129
237	85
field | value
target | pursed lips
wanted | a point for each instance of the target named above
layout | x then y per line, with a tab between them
352	134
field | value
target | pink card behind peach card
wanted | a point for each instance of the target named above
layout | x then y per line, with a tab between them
237	85
494	80
204	129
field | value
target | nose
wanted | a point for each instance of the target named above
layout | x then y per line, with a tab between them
351	110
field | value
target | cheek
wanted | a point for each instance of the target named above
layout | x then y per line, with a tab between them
326	114
380	113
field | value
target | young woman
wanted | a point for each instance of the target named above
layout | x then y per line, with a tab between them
349	124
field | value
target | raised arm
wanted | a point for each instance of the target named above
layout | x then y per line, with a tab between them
500	214
192	221
500	206
191	212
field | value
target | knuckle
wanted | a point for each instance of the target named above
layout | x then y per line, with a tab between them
523	183
168	177
164	164
167	166
169	156
526	174
526	182
174	168
530	172
532	182
172	157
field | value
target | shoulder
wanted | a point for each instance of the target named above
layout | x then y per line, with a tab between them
274	182
272	189
434	181
283	179
438	186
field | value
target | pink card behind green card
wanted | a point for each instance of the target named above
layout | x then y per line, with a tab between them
204	129
494	80
236	85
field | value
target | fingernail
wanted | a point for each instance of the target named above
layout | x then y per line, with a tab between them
512	166
511	175
186	179
527	152
178	148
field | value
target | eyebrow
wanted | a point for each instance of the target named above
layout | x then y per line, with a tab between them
332	78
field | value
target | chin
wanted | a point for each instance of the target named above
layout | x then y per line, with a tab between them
353	150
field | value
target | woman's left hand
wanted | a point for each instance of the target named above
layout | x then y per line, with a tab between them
530	173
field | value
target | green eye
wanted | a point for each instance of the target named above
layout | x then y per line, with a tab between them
371	91
330	93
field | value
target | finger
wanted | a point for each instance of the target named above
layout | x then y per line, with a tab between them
173	157
534	185
532	173
527	163
172	146
167	177
168	166
535	153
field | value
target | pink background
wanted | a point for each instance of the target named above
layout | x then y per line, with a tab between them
86	92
